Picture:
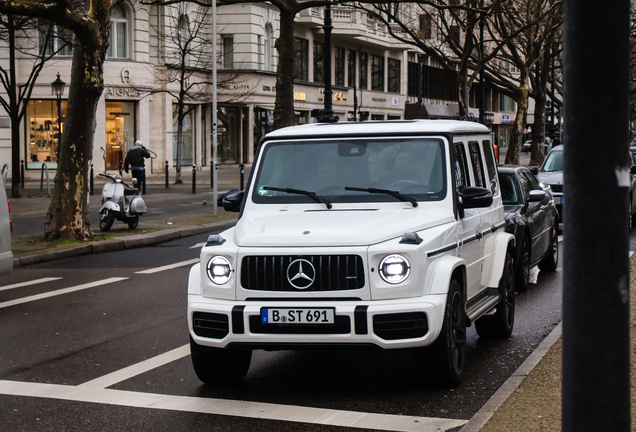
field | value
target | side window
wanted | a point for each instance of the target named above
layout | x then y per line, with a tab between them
475	159
534	183
461	167
526	187
489	157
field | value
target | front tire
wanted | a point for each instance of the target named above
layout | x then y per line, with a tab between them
106	219
551	261
500	325
444	360
220	365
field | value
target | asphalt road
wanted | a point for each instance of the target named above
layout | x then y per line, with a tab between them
65	359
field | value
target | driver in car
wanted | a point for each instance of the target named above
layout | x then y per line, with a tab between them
407	168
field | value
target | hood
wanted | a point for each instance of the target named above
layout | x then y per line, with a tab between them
333	228
550	178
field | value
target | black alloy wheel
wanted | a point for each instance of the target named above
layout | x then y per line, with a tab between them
551	260
501	324
219	365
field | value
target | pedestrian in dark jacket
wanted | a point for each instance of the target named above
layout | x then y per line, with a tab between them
135	162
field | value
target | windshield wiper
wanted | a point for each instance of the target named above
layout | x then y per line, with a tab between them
311	195
385	191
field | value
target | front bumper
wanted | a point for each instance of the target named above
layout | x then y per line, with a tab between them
388	324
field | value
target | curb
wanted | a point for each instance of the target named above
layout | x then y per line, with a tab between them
129	242
480	419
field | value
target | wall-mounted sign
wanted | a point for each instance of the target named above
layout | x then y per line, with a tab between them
505	118
121	92
300	96
395	101
339	97
269	89
125	76
378	99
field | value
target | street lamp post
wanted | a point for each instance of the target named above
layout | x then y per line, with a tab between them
57	88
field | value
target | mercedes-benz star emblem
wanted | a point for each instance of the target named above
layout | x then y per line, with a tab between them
301	274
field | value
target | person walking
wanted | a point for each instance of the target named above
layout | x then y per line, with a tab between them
135	162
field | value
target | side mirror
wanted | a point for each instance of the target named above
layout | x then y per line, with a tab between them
476	197
534	170
232	201
536	195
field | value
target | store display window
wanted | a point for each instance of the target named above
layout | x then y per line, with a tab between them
187	131
42	145
120	132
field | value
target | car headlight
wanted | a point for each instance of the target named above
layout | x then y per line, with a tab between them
394	269
219	270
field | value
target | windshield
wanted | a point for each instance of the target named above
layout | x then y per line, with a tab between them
508	190
554	162
413	167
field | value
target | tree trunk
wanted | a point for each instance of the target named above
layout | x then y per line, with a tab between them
284	109
463	94
512	155
67	216
538	136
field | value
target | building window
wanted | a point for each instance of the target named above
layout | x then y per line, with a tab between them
319	62
269	32
394	12
425	26
339	66
228	52
42	146
60	40
351	72
301	48
183	34
187	134
510	68
118	37
506	103
395	71
364	62
120	132
377	73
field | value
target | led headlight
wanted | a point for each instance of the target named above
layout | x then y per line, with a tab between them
394	269
219	270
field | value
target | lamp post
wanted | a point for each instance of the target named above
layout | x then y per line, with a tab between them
57	88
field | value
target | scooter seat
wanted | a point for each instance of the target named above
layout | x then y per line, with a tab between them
128	191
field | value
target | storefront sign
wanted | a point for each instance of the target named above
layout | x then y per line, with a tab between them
395	101
269	89
234	86
121	92
505	118
339	97
125	76
378	99
300	96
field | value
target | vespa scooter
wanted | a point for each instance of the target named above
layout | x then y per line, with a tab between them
120	201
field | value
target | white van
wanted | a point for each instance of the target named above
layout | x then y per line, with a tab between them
6	256
388	234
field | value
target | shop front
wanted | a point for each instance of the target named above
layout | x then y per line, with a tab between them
43	133
120	132
187	133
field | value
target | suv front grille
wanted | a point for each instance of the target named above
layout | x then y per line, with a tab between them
332	272
556	187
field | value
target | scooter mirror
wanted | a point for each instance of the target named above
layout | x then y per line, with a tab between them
134	181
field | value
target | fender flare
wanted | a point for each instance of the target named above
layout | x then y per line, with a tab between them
503	240
194	280
110	206
443	272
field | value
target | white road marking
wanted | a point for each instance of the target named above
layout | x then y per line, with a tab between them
197	246
33	282
60	292
169	266
235	408
139	368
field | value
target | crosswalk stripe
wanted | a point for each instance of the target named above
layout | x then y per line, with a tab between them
234	408
198	245
60	292
33	282
169	266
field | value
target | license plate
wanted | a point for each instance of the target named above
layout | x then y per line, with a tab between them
297	315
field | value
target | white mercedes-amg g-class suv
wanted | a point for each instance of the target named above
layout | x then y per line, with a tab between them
375	233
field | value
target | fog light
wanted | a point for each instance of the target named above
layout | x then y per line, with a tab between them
394	269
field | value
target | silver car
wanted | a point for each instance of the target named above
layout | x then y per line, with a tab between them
6	256
551	174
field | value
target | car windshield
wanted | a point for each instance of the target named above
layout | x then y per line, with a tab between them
554	162
509	194
352	170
